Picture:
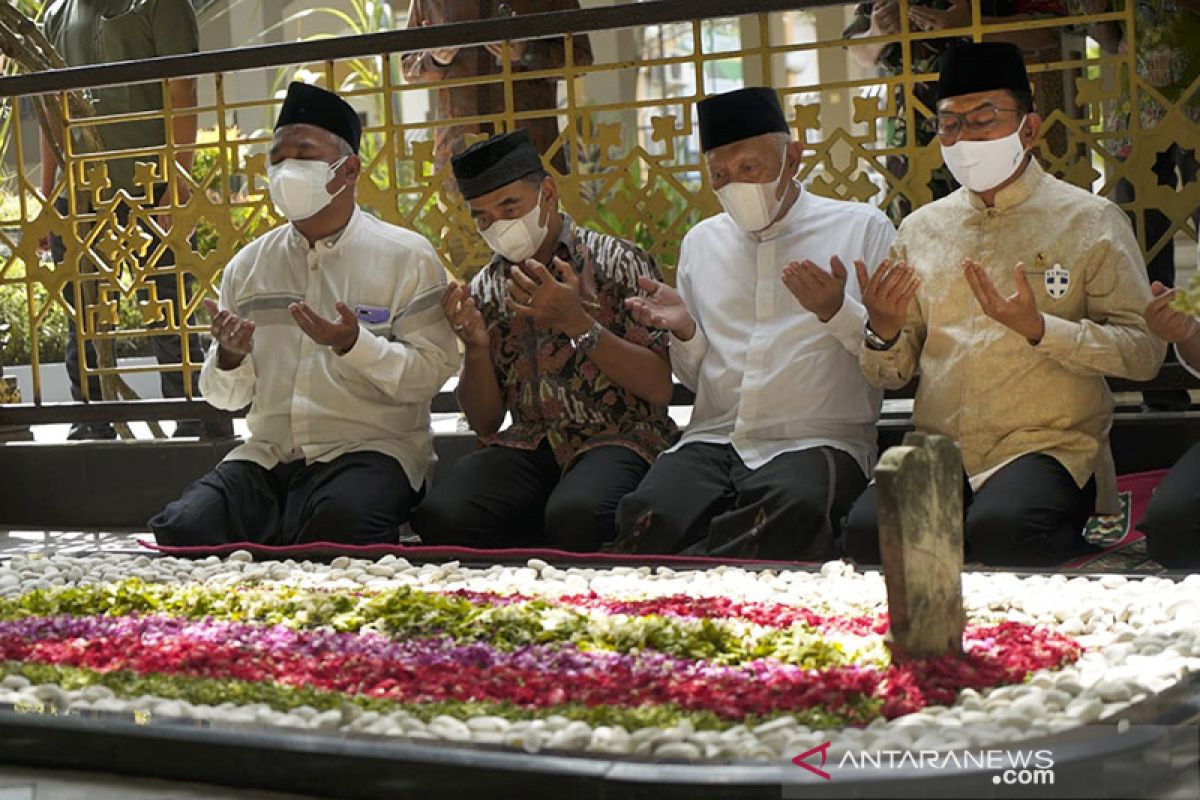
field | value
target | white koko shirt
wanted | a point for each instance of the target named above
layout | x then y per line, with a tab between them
770	378
305	400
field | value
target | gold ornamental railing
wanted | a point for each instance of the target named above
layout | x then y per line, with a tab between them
626	155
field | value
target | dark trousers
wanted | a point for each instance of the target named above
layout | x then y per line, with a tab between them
1029	514
167	349
1172	523
702	496
505	497
358	498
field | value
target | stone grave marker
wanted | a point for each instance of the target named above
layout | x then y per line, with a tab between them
920	491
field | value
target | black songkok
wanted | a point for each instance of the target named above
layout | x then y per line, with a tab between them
486	166
740	114
312	105
982	67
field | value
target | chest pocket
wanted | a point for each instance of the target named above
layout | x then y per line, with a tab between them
375	318
1057	288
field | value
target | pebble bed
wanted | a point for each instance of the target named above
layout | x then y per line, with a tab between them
1140	637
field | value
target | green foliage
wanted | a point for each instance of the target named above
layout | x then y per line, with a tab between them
52	330
407	612
206	161
52	324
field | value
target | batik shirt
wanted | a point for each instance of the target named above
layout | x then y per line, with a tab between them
1167	37
555	393
483	98
926	59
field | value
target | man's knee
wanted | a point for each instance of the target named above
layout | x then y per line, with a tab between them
632	508
1008	535
349	521
175	527
1172	528
645	525
200	516
860	531
995	533
576	522
441	519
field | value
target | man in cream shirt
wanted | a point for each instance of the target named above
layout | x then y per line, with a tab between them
330	329
765	328
1013	297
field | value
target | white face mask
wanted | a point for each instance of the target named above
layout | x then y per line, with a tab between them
981	166
517	239
753	206
298	186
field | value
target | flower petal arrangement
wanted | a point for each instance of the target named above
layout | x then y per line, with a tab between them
710	664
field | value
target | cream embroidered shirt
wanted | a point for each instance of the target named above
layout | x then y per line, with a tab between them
986	386
306	401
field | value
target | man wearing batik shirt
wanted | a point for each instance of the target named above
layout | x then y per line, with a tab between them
765	328
548	340
1013	297
329	329
1172	522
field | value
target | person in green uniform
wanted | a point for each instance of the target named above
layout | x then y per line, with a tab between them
86	32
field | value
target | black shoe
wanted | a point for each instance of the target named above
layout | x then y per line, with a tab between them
83	431
188	428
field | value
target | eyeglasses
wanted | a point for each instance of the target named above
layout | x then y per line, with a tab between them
950	126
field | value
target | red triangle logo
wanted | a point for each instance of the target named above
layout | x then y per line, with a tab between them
823	749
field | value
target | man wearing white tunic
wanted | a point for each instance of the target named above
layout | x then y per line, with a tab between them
1172	523
331	330
765	328
1013	297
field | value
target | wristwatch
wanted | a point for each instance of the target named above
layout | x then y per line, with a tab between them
586	342
877	342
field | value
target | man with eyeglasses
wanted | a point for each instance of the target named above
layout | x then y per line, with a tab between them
1013	297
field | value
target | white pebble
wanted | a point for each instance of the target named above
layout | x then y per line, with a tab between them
684	751
450	729
488	724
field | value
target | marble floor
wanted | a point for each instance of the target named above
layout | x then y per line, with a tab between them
32	784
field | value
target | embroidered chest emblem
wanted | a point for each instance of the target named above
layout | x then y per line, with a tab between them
1058	281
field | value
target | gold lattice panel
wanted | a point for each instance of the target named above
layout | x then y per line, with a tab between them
633	163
